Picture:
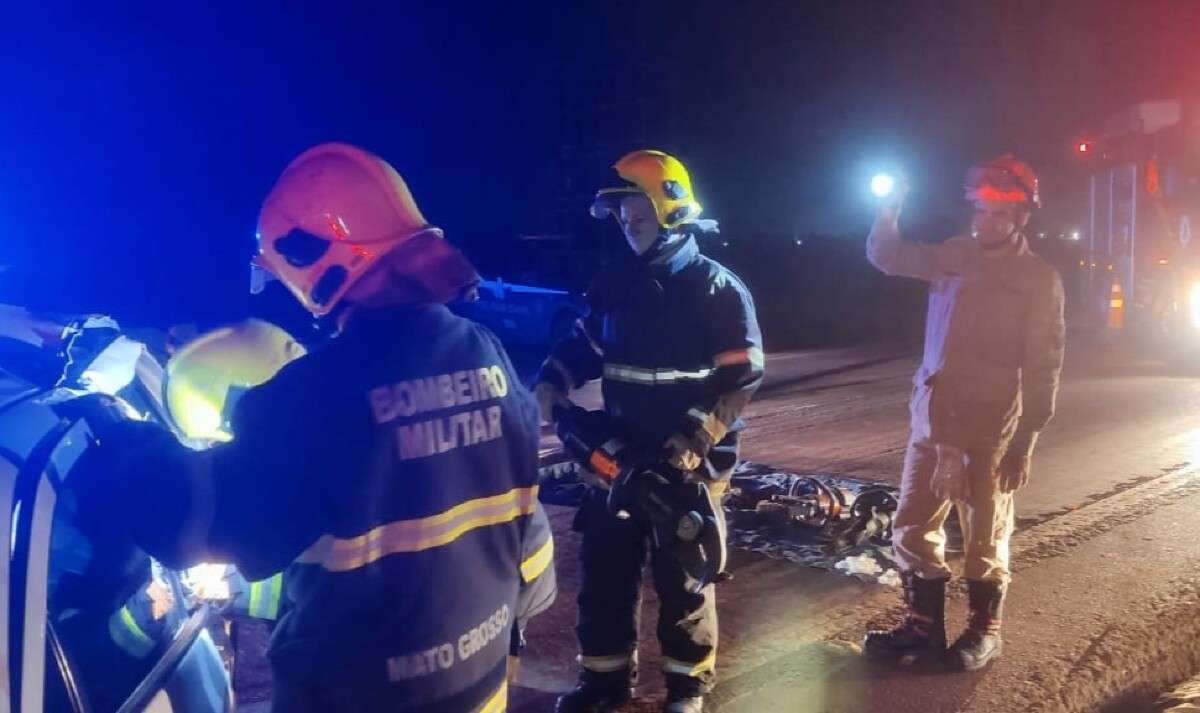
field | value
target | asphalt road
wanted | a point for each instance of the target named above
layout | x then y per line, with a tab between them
1120	451
1100	617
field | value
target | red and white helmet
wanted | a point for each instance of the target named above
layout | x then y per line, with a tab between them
1005	179
334	213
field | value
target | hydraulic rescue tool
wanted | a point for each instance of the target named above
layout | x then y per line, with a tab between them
678	511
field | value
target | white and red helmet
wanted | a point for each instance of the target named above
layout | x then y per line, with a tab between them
334	213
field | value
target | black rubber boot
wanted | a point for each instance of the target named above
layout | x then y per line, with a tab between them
683	704
923	632
981	642
596	693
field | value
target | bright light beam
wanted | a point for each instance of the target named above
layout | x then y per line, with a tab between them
882	185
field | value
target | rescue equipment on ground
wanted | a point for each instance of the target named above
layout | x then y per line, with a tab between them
843	518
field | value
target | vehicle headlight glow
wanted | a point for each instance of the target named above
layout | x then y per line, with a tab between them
1194	304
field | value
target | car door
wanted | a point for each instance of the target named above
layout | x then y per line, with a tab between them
94	625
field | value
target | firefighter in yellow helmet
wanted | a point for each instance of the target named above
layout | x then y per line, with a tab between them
206	376
661	179
393	472
985	389
674	338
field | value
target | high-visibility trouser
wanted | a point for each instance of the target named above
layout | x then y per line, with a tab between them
265	596
614	554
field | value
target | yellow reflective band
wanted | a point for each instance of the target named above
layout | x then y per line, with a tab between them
128	635
608	664
690	669
498	703
266	607
652	377
535	564
342	555
751	355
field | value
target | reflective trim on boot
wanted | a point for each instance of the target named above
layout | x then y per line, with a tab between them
923	631
685	668
608	664
980	644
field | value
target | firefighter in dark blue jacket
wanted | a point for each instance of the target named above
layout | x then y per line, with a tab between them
394	470
674	337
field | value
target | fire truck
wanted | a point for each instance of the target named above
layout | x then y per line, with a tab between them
1143	211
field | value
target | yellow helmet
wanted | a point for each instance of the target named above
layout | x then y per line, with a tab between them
206	376
660	177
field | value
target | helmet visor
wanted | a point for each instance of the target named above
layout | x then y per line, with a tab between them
608	201
260	275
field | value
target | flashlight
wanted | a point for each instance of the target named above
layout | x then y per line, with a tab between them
882	185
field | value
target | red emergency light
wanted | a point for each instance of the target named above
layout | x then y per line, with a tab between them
1083	148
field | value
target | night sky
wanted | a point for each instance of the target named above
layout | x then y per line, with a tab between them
138	142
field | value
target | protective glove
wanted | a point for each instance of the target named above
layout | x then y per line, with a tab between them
145	486
161	599
549	397
590	437
682	453
1014	466
949	481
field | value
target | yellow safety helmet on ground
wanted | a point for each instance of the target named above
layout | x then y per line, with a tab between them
206	376
661	178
